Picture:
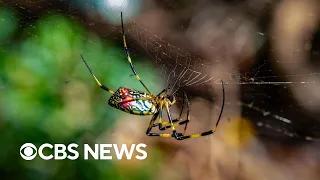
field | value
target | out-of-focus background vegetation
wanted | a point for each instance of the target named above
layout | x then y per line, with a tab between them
267	51
48	95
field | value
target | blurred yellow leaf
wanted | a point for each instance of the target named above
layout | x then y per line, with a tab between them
239	132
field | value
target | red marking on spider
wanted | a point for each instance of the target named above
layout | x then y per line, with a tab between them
126	97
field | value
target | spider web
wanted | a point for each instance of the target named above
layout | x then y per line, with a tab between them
265	92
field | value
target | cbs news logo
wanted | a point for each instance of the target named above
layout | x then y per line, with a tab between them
29	151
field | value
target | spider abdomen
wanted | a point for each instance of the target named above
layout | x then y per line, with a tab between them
127	100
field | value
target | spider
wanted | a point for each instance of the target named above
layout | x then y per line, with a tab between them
142	103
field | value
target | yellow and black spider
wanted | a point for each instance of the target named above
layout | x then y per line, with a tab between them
141	103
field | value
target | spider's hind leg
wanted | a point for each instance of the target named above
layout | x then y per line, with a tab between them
213	130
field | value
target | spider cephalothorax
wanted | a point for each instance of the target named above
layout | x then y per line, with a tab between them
145	103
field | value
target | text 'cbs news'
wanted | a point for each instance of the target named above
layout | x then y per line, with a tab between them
29	151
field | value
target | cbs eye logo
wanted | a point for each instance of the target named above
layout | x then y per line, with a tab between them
28	151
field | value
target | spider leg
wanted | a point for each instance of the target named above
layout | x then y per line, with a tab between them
129	58
165	124
174	132
161	123
160	118
153	119
168	126
188	112
161	106
179	119
164	90
213	129
159	114
101	85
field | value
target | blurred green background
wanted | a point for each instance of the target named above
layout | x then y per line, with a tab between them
48	95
